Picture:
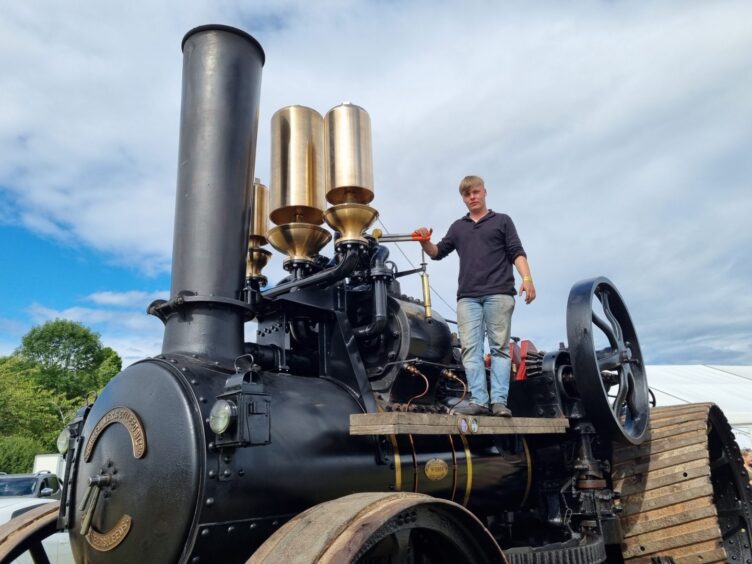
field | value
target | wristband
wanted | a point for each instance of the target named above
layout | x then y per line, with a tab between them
527	278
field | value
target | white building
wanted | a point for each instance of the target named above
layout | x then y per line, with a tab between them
730	387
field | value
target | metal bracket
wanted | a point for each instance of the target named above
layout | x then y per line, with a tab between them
164	308
75	446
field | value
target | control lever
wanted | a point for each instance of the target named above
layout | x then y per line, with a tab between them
89	502
382	237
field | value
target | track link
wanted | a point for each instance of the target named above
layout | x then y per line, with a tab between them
684	491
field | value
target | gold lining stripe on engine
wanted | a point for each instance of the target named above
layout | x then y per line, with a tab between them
454	468
415	464
397	464
529	461
469	467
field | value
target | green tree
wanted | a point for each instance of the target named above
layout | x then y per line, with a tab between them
57	365
17	454
108	367
28	409
70	356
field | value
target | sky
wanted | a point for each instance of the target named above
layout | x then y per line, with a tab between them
617	135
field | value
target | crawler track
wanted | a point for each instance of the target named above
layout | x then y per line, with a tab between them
684	491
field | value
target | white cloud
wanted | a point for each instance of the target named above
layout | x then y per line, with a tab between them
93	317
133	298
615	134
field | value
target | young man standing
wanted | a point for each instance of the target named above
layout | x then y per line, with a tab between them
488	246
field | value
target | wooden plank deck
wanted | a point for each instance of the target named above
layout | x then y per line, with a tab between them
401	423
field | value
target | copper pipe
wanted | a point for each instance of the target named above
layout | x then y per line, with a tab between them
412	370
452	376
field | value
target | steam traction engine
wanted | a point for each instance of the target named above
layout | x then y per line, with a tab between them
330	437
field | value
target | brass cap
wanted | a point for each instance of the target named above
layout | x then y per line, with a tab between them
297	184
300	241
255	262
350	220
349	155
259	215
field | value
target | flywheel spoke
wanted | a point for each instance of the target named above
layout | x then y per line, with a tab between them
610	381
608	359
404	553
621	395
38	554
606	328
634	396
610	315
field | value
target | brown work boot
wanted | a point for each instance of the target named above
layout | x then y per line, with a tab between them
469	408
500	410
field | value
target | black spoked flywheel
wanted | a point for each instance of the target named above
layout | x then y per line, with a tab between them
606	360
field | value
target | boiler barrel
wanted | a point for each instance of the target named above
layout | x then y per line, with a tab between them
187	499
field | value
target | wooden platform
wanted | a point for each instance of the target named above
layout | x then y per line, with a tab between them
400	423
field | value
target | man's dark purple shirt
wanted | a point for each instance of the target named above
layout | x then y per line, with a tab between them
487	251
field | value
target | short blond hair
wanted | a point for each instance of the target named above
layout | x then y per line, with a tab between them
469	182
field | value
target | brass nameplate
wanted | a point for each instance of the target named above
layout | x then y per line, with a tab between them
436	469
129	420
109	540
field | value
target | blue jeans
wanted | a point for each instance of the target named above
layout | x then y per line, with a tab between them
476	316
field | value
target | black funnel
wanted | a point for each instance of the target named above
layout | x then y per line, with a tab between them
218	125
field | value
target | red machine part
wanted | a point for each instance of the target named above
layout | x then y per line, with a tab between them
524	348
518	351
